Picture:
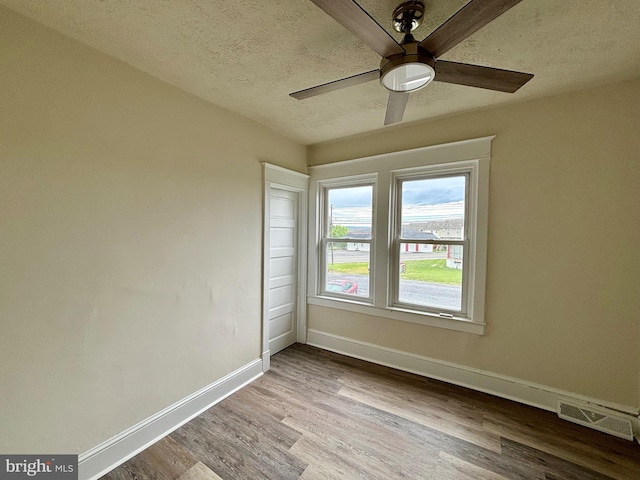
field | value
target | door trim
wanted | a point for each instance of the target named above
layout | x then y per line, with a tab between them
284	179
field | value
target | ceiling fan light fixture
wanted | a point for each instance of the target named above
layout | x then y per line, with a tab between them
409	72
408	77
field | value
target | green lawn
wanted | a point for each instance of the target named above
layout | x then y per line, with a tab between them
353	268
434	271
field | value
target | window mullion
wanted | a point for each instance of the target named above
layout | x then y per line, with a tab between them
396	225
381	242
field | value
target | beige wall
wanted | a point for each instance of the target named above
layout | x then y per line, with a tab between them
130	241
563	288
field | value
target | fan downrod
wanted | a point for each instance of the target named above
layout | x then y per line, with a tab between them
408	16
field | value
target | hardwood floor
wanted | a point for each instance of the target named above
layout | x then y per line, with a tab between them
318	415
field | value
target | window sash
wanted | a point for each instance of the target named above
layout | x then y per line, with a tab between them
395	245
341	185
394	260
326	240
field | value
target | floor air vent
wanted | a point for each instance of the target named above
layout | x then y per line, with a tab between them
598	418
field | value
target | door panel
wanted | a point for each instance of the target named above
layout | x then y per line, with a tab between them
281	325
283	236
282	297
280	267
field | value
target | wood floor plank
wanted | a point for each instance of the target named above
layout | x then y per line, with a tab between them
335	459
419	412
391	451
312	473
317	415
199	472
464	414
454	468
258	421
401	436
605	454
164	460
551	464
352	422
237	452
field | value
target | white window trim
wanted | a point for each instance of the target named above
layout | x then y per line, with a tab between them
475	153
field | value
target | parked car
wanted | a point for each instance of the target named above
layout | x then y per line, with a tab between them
342	286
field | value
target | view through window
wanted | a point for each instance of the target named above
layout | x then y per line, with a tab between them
347	241
430	242
403	235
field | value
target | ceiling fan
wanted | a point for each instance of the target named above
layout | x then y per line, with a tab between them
411	65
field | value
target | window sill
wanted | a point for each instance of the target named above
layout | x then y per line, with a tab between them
402	315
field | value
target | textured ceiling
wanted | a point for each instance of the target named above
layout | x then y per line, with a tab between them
247	56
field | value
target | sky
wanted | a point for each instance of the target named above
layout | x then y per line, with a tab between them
425	199
431	191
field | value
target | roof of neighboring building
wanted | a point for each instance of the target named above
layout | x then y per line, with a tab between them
408	231
358	235
414	233
431	225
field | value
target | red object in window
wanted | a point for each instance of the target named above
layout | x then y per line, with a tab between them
342	286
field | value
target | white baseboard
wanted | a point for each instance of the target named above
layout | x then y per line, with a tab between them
120	448
515	389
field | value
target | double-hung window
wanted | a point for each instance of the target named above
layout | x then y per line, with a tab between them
430	236
347	238
403	235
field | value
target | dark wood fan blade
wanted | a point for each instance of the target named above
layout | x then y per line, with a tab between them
469	19
481	77
396	104
355	19
336	85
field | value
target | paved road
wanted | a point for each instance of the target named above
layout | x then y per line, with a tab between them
412	291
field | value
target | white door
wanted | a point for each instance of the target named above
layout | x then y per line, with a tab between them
283	269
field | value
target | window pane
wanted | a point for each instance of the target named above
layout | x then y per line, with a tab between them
347	270
431	275
433	208
349	212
